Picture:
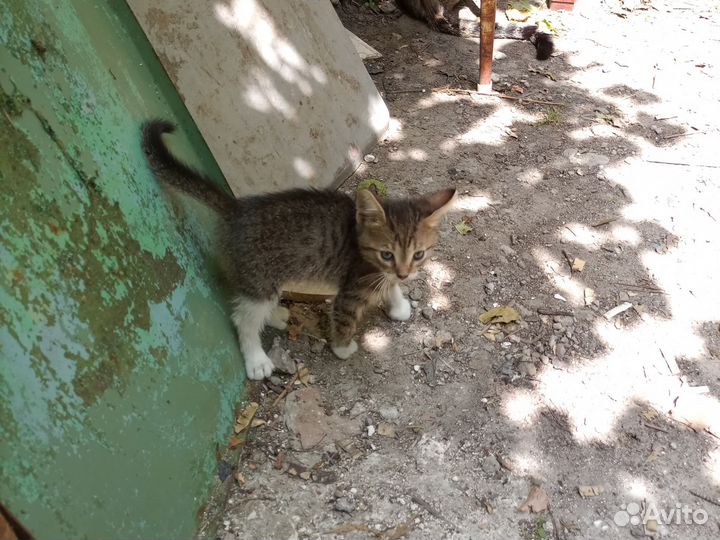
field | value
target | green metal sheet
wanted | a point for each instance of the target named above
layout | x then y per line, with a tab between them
119	368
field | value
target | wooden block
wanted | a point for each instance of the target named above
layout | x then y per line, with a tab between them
562	5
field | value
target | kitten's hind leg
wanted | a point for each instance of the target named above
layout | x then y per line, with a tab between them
279	317
398	307
249	317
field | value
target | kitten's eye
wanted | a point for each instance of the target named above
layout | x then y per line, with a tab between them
386	255
418	255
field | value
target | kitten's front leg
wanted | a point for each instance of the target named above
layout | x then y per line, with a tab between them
398	307
346	311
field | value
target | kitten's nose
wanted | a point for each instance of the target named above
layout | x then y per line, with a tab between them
402	276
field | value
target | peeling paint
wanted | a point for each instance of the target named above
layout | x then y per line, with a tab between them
116	351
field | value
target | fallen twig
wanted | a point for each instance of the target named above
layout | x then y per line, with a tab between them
422	503
683	134
680	164
657	428
555	312
394	533
284	393
312	446
605	222
557	421
643	287
671	363
568	258
556	529
409	91
501	96
704	498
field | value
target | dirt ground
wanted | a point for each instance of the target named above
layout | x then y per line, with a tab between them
441	426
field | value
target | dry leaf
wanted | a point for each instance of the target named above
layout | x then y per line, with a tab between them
235	442
463	226
500	314
578	265
590	491
303	374
512	133
589	296
517	89
537	501
656	452
294	331
302	319
386	430
240	478
257	422
515	15
245	417
650	414
486	504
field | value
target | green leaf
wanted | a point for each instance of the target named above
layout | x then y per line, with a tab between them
463	228
380	186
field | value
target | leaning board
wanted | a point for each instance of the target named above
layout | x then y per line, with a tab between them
276	88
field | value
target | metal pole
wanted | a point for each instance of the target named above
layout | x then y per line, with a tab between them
487	36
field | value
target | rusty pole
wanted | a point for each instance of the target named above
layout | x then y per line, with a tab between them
487	36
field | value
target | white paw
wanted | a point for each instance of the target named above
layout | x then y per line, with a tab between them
258	366
345	352
401	310
275	323
279	317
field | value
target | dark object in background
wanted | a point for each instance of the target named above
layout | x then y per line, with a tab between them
442	16
11	528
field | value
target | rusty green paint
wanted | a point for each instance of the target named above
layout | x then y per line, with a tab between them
119	368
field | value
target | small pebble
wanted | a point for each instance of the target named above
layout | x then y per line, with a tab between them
490	465
389	413
507	250
345	504
527	368
428	312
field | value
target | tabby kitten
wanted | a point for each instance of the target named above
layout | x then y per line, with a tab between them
363	248
442	16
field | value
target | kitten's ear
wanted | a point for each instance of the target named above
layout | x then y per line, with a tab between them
440	203
368	208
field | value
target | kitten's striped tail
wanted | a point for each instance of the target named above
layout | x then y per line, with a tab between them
173	172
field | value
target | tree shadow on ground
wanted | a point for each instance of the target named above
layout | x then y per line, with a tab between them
565	394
